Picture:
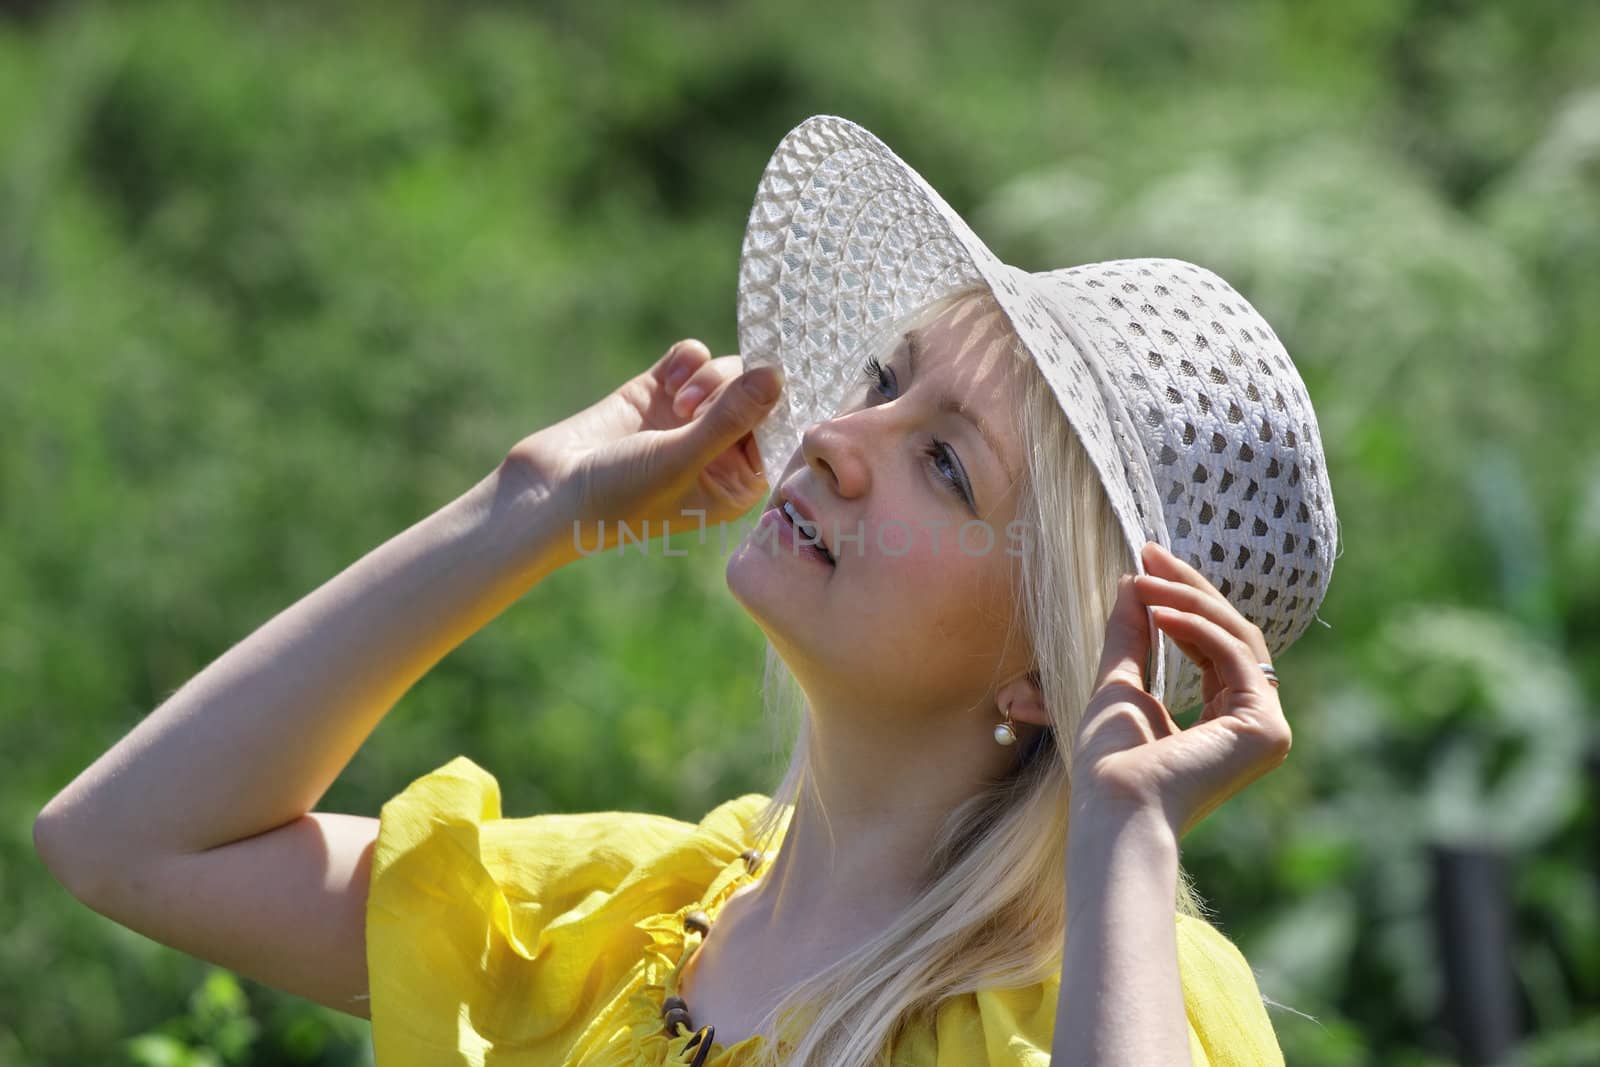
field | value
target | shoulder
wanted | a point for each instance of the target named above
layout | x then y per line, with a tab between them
1227	1015
1015	1026
1205	953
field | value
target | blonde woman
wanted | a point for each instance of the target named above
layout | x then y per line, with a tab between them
1012	524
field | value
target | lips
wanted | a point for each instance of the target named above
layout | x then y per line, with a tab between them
809	525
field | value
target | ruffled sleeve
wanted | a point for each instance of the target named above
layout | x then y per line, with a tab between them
488	935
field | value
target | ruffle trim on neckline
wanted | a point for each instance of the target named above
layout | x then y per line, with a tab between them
668	944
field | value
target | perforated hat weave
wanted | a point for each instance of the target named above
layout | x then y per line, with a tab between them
1194	417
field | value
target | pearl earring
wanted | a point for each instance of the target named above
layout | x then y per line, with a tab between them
1005	733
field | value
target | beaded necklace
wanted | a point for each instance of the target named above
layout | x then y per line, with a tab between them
696	925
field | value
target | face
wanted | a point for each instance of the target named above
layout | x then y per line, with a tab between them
913	613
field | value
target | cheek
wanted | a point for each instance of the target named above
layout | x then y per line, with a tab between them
961	591
913	551
906	533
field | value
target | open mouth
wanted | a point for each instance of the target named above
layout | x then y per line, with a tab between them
806	535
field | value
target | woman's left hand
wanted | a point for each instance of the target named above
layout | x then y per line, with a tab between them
1130	755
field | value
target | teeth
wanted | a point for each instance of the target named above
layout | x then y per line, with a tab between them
808	528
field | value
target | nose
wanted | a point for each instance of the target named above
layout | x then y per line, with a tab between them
836	450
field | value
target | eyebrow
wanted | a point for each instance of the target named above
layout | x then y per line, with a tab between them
955	406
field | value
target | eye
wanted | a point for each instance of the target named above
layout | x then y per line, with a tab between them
946	464
873	371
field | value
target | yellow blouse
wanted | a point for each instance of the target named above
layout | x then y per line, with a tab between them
552	939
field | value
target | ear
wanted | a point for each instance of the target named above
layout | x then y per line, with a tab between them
1025	699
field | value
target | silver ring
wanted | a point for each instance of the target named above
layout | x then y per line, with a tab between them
1272	675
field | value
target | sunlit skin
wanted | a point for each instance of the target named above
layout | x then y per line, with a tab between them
901	648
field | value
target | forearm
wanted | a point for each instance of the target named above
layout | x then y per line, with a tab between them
256	738
1121	1003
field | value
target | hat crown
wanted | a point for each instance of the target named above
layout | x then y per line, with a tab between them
1224	427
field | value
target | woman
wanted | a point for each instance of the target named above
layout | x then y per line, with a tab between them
992	501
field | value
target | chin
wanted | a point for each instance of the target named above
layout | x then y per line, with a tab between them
766	586
753	580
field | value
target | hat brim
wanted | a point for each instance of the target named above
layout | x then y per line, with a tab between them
844	236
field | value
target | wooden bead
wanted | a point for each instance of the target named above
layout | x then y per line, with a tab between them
673	1002
674	1017
697	920
704	1039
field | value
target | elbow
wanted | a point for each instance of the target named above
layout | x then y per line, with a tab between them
52	841
47	841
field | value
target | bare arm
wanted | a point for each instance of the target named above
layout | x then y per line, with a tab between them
1121	1003
254	740
1139	783
196	829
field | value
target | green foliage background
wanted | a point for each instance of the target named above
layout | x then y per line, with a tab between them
279	280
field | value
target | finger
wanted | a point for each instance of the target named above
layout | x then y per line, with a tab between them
734	477
705	380
1163	561
752	456
1154	589
1127	642
730	413
1210	683
1234	660
680	363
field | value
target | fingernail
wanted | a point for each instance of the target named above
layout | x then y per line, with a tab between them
680	370
763	384
687	399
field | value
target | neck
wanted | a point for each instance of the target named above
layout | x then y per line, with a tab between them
860	840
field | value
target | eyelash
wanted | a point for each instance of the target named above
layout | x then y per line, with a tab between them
874	372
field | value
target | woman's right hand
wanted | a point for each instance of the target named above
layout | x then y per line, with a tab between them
673	439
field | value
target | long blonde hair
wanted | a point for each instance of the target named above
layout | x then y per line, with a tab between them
992	912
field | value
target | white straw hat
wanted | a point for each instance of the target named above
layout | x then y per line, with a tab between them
1190	409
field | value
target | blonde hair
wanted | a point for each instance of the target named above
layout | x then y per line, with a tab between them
992	911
